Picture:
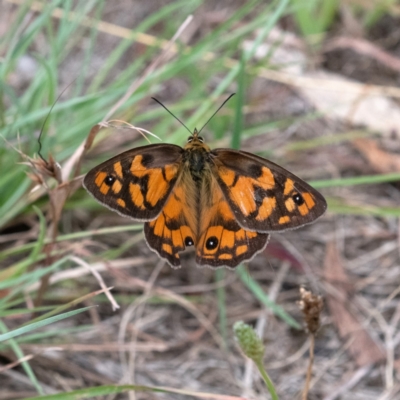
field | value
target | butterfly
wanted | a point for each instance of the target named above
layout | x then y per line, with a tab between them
223	202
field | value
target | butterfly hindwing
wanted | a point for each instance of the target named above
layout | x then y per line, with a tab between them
218	239
263	196
174	229
136	183
222	241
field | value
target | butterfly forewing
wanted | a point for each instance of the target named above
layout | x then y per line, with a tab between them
136	183
263	196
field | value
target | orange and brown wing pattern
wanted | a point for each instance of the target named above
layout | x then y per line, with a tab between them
263	196
222	241
136	183
174	229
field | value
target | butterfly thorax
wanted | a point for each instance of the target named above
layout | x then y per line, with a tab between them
196	157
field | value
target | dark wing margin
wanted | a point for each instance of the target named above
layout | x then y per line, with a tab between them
263	196
138	182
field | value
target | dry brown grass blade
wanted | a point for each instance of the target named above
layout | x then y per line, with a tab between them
77	157
79	261
363	349
79	272
200	395
58	196
15	363
101	26
364	47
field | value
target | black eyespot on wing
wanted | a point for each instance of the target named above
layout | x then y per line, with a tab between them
189	241
109	180
298	199
212	243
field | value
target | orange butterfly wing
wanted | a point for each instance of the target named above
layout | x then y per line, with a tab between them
263	196
205	221
174	229
222	241
226	212
136	183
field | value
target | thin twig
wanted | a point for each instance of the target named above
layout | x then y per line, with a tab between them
309	369
16	363
366	48
115	305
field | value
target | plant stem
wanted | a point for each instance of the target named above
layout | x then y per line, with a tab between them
267	379
309	369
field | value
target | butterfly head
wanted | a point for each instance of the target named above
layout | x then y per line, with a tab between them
195	141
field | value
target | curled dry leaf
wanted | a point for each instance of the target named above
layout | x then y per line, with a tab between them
92	134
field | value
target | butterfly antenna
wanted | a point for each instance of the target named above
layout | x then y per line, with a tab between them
45	120
162	105
212	116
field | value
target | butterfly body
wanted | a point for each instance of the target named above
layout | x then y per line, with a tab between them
223	202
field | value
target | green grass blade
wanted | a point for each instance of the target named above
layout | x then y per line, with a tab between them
240	101
25	365
221	301
40	324
339	207
357	180
22	280
258	292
